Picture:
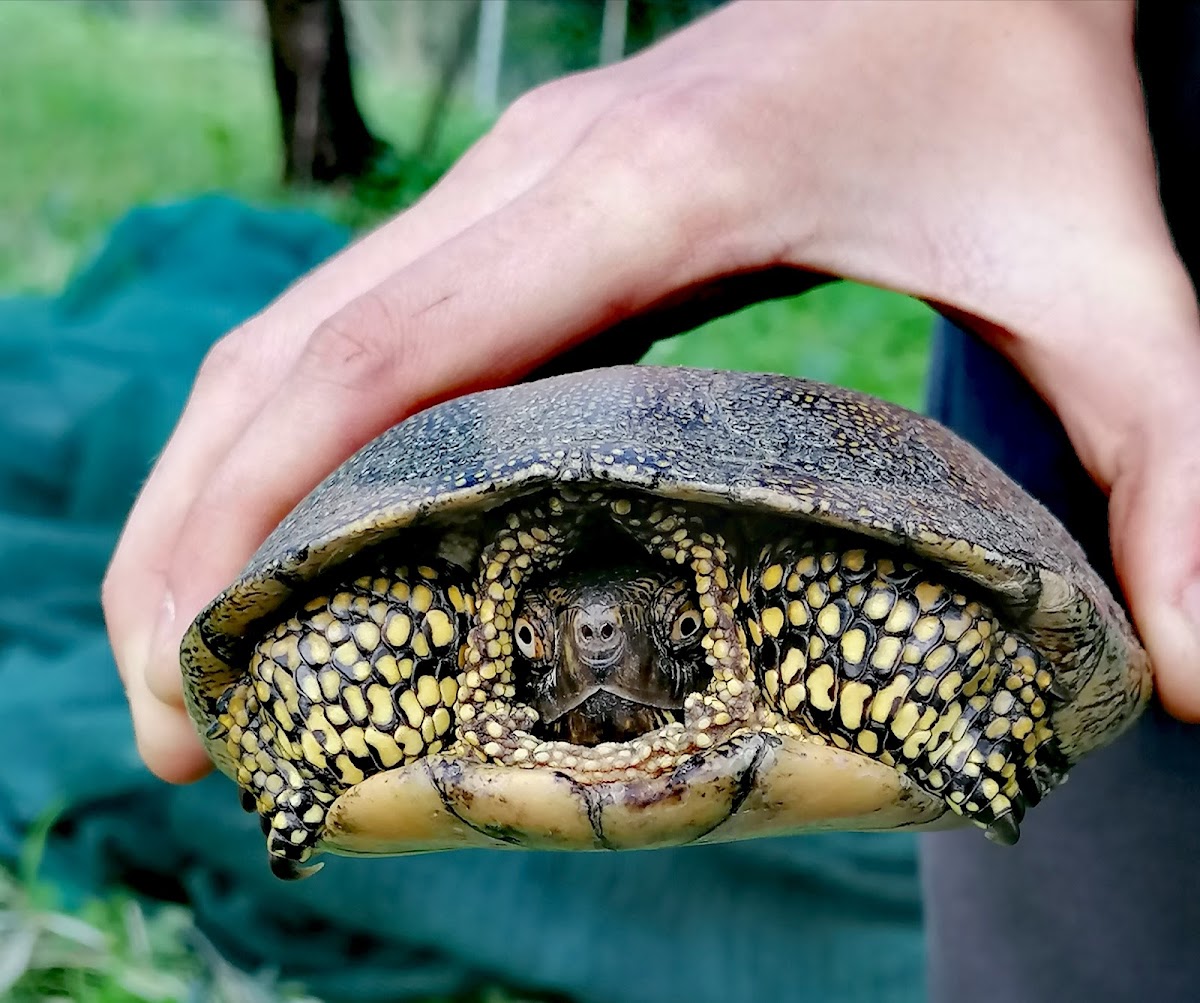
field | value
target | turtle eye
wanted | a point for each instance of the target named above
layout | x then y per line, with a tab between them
529	642
686	627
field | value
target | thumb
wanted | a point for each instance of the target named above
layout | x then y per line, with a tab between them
1154	519
1120	365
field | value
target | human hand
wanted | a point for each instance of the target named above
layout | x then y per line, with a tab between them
990	158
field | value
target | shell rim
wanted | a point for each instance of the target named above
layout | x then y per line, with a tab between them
1015	582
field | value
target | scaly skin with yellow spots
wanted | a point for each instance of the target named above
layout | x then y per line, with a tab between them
885	630
362	680
876	656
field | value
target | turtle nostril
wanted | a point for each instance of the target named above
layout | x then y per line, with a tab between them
597	631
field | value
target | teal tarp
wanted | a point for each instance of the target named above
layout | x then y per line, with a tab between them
90	384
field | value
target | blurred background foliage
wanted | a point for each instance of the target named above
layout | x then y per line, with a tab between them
113	103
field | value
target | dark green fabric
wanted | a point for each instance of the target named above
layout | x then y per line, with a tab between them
90	384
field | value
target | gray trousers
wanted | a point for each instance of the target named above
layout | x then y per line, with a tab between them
1100	900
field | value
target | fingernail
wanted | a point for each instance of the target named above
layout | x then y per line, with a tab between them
161	669
1189	600
166	613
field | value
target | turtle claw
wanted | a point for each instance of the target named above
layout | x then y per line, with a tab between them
1031	790
292	870
1060	691
1005	830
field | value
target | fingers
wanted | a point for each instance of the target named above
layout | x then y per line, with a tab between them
482	307
477	313
250	365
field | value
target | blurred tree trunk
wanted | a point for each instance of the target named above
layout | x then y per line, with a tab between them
489	54
324	135
449	71
613	28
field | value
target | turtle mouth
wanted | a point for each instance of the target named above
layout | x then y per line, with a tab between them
606	717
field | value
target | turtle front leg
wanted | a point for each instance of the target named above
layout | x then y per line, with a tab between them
878	656
362	679
533	538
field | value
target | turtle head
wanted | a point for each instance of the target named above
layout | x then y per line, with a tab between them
609	654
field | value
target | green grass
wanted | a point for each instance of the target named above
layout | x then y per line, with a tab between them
103	112
842	333
113	950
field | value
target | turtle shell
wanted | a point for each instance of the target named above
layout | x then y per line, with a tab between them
749	445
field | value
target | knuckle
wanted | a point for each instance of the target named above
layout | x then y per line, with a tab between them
227	356
676	147
357	347
237	362
678	125
537	110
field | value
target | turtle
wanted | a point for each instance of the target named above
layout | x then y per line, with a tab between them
645	606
